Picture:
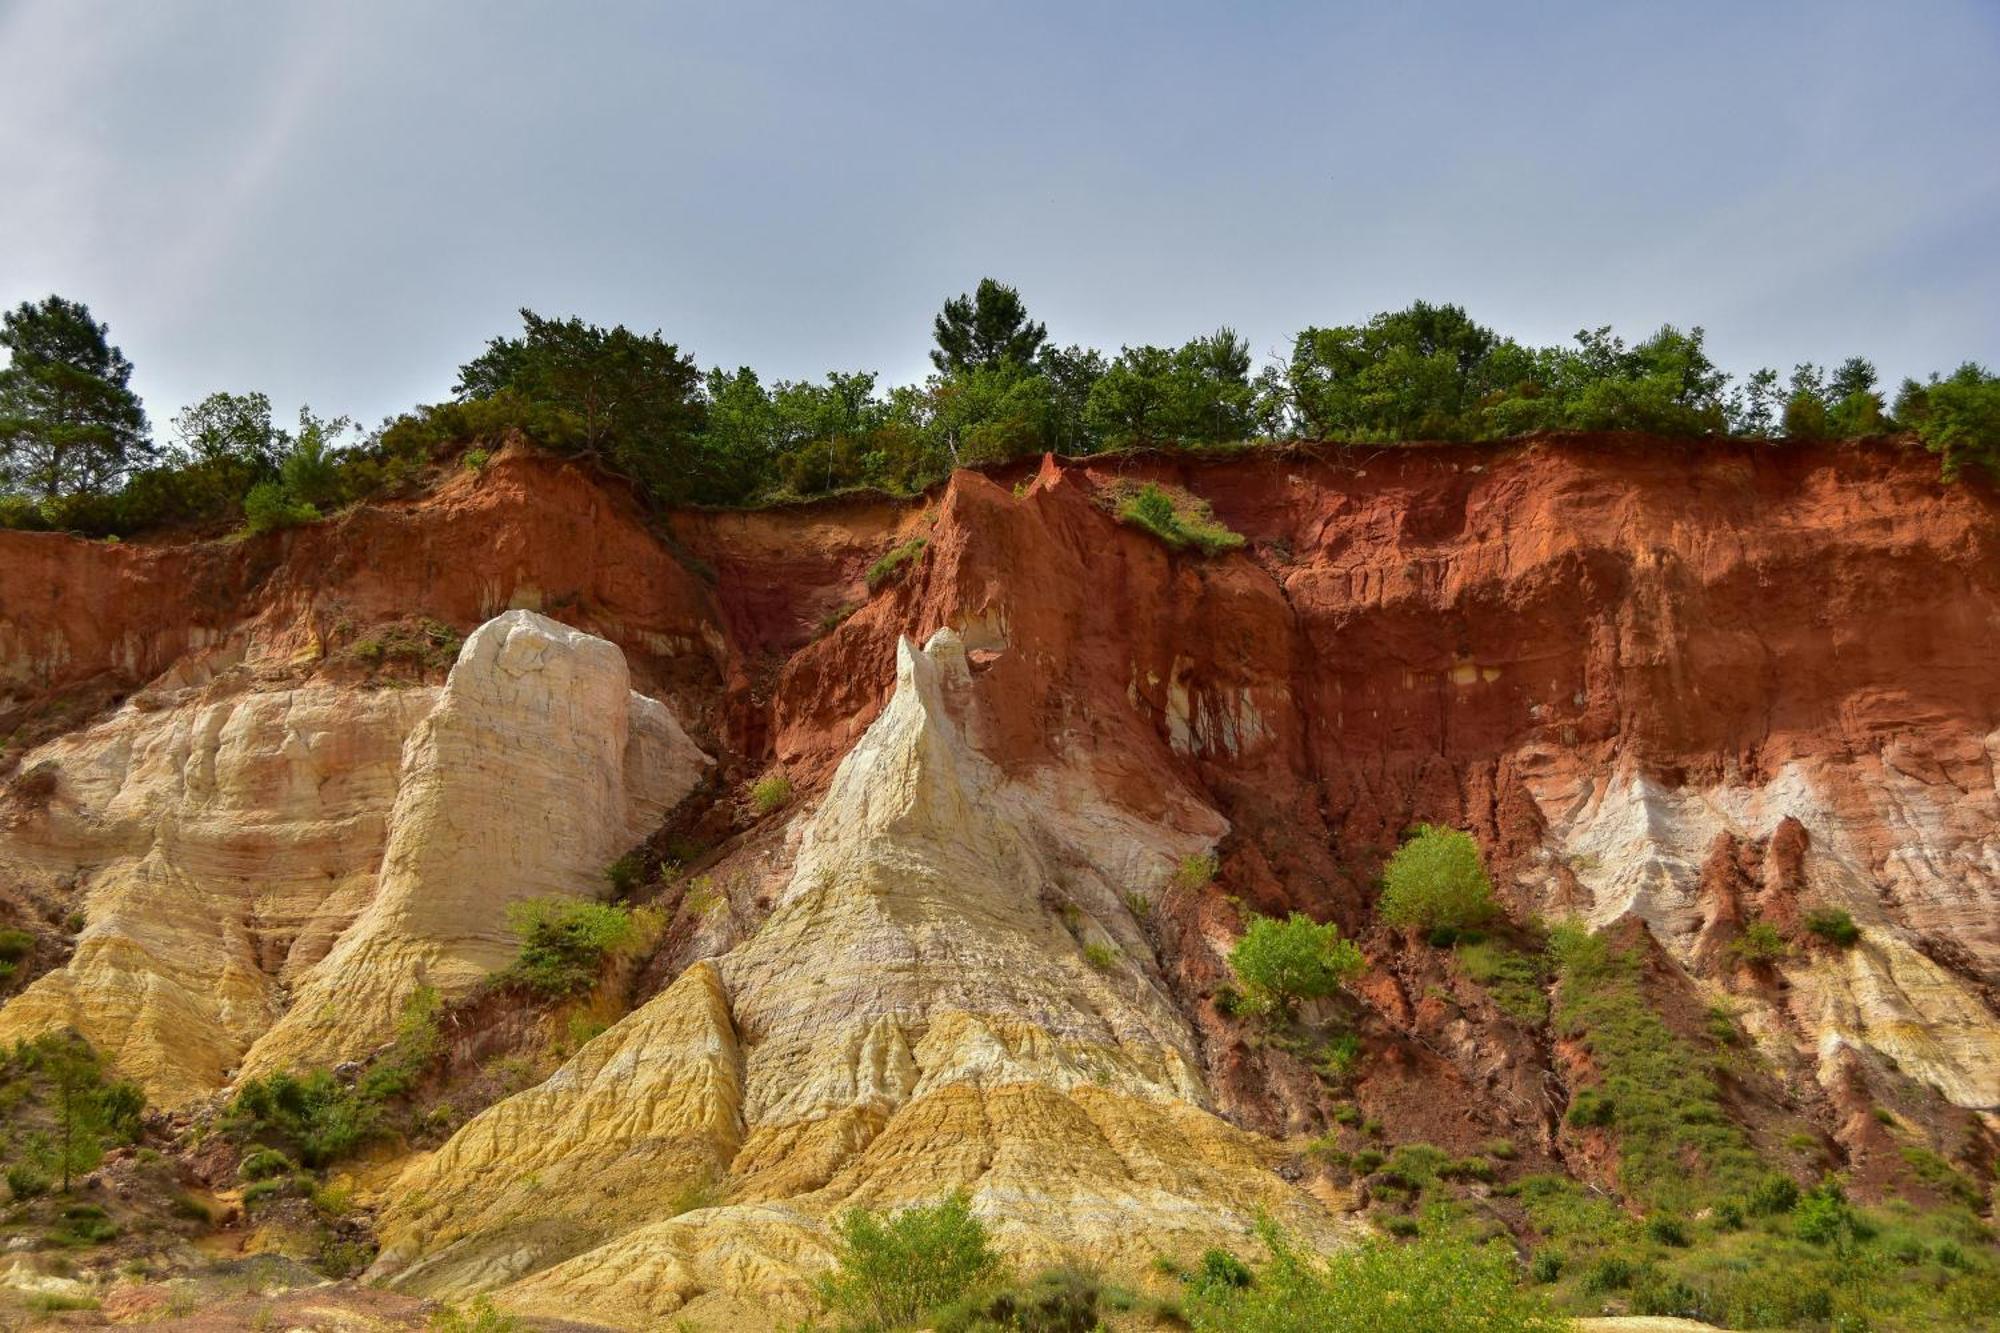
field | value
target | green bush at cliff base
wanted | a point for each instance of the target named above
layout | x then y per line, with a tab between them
894	1272
563	943
1422	1286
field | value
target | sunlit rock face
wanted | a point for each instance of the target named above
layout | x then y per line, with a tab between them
265	877
913	1018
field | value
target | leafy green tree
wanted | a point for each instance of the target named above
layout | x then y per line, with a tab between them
229	429
1957	418
1071	372
1199	392
1279	963
891	1274
633	401
1852	376
1754	410
89	1112
988	328
1437	882
69	421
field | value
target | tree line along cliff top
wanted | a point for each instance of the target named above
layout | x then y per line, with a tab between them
77	452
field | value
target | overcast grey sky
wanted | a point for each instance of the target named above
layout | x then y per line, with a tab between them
338	202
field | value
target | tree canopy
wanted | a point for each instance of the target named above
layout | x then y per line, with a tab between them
74	452
69	421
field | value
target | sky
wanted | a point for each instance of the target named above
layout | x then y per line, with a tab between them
339	203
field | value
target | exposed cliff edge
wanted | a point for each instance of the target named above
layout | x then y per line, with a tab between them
1672	688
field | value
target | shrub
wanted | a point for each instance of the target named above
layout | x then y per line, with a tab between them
1823	1216
1058	1300
15	945
892	1273
1760	942
25	1182
1376	1288
1219	1269
1436	881
770	792
269	505
1101	956
1667	1230
891	565
1834	926
1179	520
1547	1265
475	460
265	1163
317	1115
478	1317
1774	1194
624	874
1280	963
1196	871
563	942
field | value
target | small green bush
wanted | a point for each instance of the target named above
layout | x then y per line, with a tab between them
15	945
891	1273
318	1116
269	506
265	1163
891	565
1514	979
1834	926
1179	520
1760	942
1774	1194
1437	881
770	793
477	1317
1823	1216
624	874
1101	956
1058	1300
1278	963
563	943
475	460
1591	1107
1196	871
25	1182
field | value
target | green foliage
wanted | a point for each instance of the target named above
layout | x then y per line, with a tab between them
891	1273
1775	1193
475	460
1514	979
1199	393
1279	963
1760	942
563	943
1102	957
1057	1300
268	506
770	792
1834	926
988	328
83	1112
1958	418
1677	1145
1176	518
1382	1287
317	1117
479	1316
70	424
891	565
1196	871
265	1163
1436	881
15	945
1823	1216
632	401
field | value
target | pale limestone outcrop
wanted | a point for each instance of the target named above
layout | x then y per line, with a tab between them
336	845
915	1016
537	767
219	847
1904	852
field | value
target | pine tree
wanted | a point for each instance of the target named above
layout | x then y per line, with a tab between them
69	421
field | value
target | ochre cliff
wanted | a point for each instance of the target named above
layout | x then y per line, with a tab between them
1671	688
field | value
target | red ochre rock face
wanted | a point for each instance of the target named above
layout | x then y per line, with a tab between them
1671	687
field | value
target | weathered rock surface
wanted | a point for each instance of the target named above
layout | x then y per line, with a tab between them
1678	686
916	1015
265	878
